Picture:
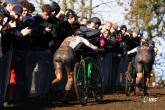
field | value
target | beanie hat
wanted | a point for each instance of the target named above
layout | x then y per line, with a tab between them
17	9
12	1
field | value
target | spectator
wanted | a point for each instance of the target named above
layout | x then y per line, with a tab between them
83	21
71	18
17	32
6	46
46	42
55	9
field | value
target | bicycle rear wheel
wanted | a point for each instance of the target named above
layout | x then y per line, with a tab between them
79	84
97	85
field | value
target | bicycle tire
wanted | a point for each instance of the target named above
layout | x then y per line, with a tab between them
97	84
79	85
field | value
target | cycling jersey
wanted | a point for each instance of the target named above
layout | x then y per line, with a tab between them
65	53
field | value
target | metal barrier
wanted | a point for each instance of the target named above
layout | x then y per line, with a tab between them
29	74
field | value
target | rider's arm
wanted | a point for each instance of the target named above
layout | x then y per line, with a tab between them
88	44
132	51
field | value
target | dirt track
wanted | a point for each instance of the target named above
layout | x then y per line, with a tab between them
112	101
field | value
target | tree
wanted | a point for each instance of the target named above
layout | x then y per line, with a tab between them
83	7
72	4
64	6
148	15
90	9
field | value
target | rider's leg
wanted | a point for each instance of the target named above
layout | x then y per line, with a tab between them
58	73
68	86
148	69
138	80
147	80
139	76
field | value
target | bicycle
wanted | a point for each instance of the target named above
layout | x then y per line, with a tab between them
130	79
87	80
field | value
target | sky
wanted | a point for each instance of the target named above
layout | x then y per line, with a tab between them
109	10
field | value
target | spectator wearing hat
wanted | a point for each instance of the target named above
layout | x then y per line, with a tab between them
8	8
5	10
69	20
16	34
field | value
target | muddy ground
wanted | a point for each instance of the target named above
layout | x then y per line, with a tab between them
113	100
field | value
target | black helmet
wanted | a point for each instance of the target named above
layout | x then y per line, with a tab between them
55	6
96	20
80	33
152	43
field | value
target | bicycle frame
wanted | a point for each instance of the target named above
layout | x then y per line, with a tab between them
87	80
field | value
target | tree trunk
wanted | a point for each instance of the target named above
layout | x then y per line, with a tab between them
90	9
64	6
83	8
72	4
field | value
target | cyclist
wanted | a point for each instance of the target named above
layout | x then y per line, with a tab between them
143	60
64	56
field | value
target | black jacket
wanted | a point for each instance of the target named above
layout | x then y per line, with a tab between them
92	35
46	40
13	36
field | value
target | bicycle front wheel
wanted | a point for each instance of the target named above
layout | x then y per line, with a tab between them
79	84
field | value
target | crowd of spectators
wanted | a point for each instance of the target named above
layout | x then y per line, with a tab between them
34	39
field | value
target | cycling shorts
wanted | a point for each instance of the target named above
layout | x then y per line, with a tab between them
64	57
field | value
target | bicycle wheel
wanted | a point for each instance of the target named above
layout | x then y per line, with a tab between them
79	84
97	85
129	86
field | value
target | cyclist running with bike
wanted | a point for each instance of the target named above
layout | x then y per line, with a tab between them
64	56
143	61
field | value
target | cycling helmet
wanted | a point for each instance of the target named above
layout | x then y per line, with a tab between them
152	43
55	6
96	20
